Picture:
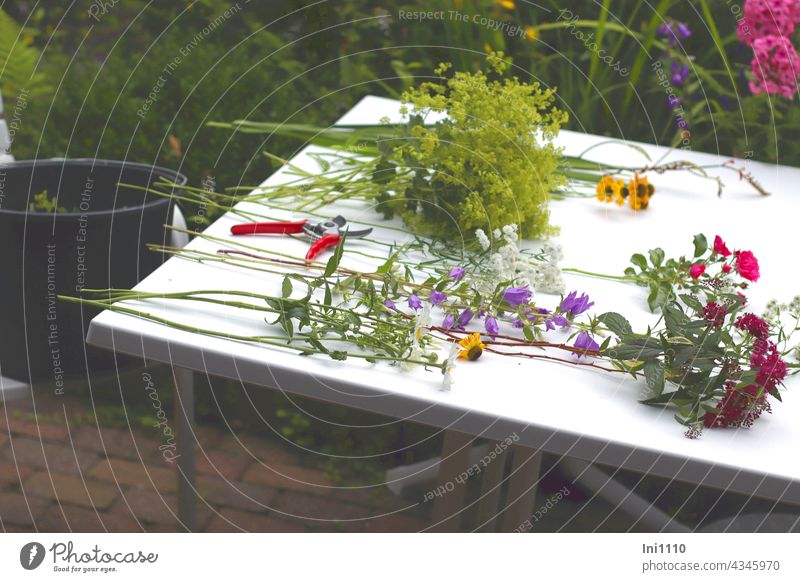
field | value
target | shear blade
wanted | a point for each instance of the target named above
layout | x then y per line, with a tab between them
356	233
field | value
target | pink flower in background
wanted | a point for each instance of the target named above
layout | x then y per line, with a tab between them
775	67
720	247
766	27
696	270
767	18
747	265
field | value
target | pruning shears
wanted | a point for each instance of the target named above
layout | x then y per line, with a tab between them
323	233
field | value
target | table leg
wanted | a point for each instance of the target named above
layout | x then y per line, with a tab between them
450	498
522	482
184	413
491	484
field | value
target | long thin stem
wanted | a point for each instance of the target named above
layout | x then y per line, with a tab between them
267	340
625	278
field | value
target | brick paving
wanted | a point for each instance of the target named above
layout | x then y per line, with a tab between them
58	477
61	475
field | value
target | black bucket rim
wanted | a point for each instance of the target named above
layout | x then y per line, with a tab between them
172	175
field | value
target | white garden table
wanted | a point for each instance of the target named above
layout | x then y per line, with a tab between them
571	411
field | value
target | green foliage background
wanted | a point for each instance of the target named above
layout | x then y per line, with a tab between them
279	61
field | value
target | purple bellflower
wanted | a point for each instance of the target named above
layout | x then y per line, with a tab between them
456	273
585	342
574	305
516	296
438	297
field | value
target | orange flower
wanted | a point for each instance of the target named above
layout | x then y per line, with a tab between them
610	188
640	191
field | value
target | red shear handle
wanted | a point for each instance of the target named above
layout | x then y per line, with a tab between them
269	227
327	241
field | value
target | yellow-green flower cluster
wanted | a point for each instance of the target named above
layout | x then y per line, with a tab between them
490	163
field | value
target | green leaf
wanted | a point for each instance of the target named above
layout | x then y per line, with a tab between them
660	294
639	261
692	301
330	268
353	319
317	344
528	333
674	319
288	327
616	323
286	288
654	375
666	397
700	245
657	257
336	258
387	266
636	347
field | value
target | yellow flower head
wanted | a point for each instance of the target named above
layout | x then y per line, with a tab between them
507	4
640	192
610	188
471	347
532	32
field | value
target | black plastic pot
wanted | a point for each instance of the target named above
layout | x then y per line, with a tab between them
99	242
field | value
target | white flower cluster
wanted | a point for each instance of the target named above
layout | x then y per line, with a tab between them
509	264
775	310
549	278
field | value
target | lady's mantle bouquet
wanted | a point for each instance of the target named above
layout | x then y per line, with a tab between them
474	151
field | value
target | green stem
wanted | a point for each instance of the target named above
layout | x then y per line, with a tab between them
266	340
600	275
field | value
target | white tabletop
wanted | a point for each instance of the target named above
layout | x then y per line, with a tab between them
562	409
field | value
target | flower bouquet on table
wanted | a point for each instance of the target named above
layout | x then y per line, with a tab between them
710	358
489	160
722	361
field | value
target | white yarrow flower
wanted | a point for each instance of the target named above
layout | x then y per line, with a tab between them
553	250
510	233
483	240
